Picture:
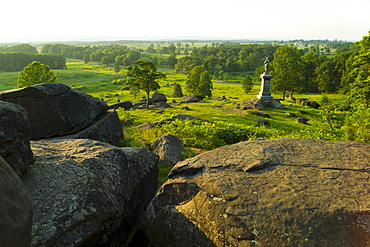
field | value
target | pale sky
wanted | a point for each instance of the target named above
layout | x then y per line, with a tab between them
39	20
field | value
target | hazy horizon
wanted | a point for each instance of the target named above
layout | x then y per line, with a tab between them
38	20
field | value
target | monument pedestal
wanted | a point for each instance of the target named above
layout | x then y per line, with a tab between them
264	93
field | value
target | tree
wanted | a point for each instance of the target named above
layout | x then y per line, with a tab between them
328	77
247	84
198	81
144	75
117	67
287	70
177	91
35	73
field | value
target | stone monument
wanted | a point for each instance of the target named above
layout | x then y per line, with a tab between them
264	98
265	93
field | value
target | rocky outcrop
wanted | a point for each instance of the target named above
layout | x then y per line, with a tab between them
127	105
159	97
191	98
169	148
15	209
88	193
285	192
55	109
259	104
15	131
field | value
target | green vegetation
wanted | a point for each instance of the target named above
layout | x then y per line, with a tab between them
35	73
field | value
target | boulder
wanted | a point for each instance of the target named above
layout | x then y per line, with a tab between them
15	132
15	209
263	122
159	97
88	193
127	105
106	128
291	114
55	109
169	148
252	104
191	98
284	192
302	120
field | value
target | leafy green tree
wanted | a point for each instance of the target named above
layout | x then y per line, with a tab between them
172	60
35	73
177	91
287	70
247	84
328	77
117	67
144	75
199	82
205	84
360	88
22	48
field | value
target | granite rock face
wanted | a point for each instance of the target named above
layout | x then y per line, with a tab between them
15	131
169	148
55	109
284	192
15	209
88	193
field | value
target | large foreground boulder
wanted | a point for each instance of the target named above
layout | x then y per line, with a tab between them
55	109
285	192
15	132
15	209
88	193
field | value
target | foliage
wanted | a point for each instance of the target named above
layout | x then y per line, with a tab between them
247	84
358	126
35	73
199	82
16	61
143	75
287	70
177	91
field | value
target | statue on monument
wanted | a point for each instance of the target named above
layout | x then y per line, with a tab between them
267	65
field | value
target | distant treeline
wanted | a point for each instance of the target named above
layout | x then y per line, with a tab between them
16	61
107	54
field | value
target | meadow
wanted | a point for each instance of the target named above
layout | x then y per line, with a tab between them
231	125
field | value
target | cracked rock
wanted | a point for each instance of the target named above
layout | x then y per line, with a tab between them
284	192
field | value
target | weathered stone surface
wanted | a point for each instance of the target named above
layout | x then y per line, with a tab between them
15	209
55	109
125	105
106	128
87	193
263	122
260	104
15	132
291	114
284	192
252	104
159	97
302	120
169	148
191	98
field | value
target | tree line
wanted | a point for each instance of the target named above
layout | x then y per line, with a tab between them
16	61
